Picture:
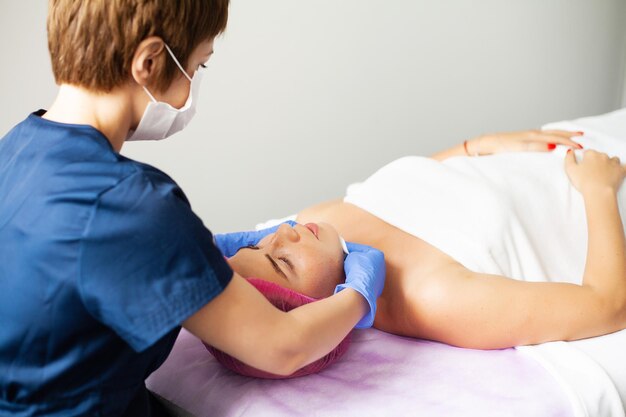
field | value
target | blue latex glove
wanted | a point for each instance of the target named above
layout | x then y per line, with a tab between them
365	273
230	243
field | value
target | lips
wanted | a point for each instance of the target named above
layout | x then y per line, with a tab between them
314	229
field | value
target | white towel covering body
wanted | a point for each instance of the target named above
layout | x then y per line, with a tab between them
517	215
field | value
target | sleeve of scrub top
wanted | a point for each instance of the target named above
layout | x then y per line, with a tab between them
148	262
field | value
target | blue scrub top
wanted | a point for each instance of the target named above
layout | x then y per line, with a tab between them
101	259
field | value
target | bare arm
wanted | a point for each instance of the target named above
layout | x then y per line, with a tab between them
459	150
525	141
242	323
598	178
605	270
488	311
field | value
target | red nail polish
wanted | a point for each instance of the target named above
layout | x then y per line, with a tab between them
551	146
581	133
569	150
579	145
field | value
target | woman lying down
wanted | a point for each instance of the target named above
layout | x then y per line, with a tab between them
456	228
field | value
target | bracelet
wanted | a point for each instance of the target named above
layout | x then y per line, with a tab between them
467	152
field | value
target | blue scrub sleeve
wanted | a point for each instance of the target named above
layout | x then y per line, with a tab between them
147	261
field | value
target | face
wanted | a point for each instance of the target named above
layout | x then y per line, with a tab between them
296	258
177	93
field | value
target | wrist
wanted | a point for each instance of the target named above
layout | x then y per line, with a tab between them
361	300
366	308
598	193
474	146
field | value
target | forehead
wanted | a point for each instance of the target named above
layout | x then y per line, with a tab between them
254	263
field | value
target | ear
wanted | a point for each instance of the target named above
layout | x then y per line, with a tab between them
147	57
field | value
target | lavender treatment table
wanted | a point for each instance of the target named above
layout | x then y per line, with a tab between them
380	375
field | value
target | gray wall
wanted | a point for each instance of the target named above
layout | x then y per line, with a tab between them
304	97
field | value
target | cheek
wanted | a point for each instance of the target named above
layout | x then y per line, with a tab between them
322	278
178	92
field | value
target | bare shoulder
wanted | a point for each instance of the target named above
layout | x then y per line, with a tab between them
316	211
352	222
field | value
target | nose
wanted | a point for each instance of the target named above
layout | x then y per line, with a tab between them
289	233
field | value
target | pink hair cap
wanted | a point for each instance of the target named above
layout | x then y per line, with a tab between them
285	300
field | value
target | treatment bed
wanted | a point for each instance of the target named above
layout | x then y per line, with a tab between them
387	375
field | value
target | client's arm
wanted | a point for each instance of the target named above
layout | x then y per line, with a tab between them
527	141
605	270
489	311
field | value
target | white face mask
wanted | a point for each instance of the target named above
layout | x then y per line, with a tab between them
160	120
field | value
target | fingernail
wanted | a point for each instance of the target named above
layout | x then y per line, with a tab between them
579	145
581	133
551	146
569	150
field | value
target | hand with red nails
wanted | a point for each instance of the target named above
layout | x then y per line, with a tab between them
595	172
526	141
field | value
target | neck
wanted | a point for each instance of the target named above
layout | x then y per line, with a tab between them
110	113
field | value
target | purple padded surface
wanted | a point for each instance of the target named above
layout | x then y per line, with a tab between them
380	375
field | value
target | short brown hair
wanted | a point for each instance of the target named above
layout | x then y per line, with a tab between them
92	42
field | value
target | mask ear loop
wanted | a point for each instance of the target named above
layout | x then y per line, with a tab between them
154	100
177	64
176	61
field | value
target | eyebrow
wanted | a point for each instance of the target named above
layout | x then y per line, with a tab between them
269	258
276	267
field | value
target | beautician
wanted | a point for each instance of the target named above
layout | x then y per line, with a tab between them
101	257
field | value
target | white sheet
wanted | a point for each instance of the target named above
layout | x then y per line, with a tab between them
512	214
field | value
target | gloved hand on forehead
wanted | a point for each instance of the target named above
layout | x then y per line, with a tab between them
365	273
230	243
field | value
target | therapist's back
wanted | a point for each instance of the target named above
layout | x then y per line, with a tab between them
83	311
101	257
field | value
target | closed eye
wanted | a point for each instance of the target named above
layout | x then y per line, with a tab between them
276	267
288	262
